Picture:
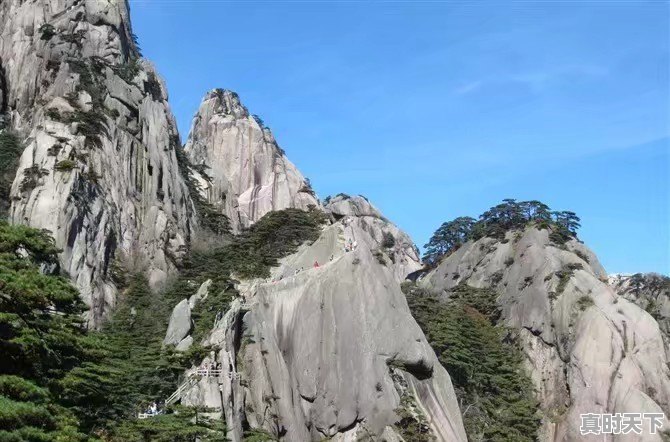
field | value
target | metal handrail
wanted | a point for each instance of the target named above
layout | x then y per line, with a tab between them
192	378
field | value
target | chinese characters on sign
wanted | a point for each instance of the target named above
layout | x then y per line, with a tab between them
621	423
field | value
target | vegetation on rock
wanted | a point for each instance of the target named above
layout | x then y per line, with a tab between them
10	152
498	220
60	382
42	339
485	364
211	218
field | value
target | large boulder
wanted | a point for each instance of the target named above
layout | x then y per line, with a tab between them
180	324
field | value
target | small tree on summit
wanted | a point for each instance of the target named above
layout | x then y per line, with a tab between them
536	210
569	221
448	237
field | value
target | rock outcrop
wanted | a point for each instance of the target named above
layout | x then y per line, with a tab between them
588	350
99	169
180	324
243	171
651	292
383	238
327	351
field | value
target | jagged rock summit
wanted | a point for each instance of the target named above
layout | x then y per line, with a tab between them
99	169
384	238
243	171
588	350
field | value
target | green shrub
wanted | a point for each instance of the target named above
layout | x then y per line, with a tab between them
152	87
128	71
54	149
47	31
75	38
31	177
90	124
53	114
10	153
258	435
582	255
211	218
65	165
584	302
388	240
412	424
180	424
379	255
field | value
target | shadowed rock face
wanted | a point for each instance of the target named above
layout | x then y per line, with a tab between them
244	172
327	351
99	169
383	237
588	349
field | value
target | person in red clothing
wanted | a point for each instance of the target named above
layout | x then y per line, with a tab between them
316	264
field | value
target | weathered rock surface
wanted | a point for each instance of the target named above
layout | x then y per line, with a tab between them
327	351
651	292
244	172
382	237
99	169
180	323
588	350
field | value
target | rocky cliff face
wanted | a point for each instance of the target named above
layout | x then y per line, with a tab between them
99	169
329	351
243	171
651	292
588	349
383	238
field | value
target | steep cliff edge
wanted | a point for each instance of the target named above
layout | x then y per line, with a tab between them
649	291
99	167
588	350
384	238
328	351
243	171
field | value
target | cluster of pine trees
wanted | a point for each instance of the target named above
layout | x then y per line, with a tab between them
494	391
495	222
61	382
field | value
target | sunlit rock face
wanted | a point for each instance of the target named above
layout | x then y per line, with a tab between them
588	349
99	169
326	348
243	171
383	238
651	292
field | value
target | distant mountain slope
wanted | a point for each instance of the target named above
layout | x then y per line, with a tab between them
588	349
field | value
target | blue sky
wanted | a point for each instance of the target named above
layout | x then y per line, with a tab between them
435	110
